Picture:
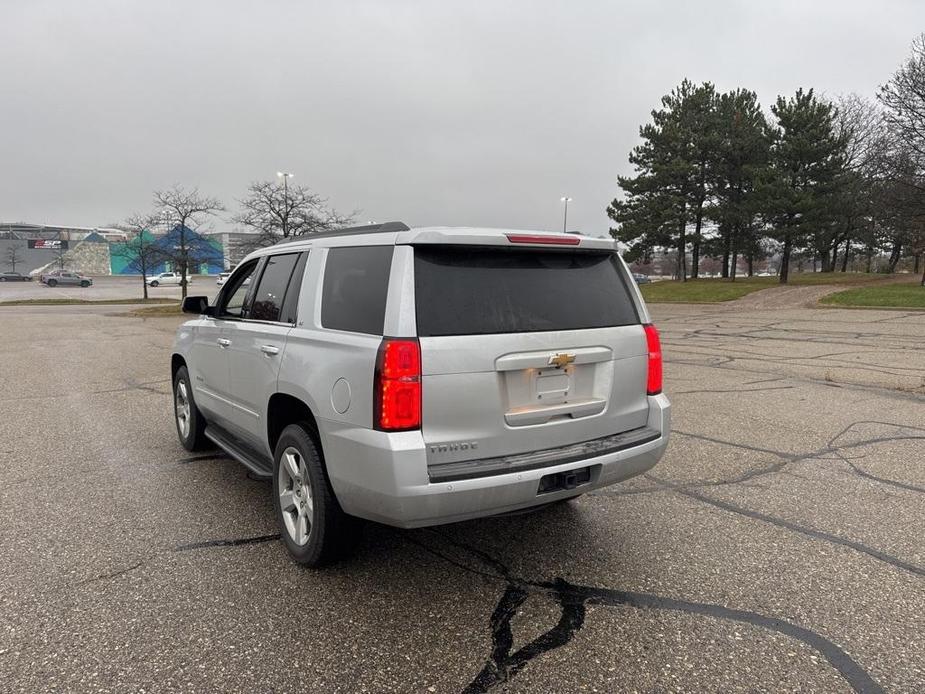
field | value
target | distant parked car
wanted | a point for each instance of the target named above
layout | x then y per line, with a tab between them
166	278
641	278
14	277
53	279
222	276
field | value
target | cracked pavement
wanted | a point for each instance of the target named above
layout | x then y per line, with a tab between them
777	546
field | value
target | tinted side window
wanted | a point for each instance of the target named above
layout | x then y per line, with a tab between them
291	302
268	299
356	282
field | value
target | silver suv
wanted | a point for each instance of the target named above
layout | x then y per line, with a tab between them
422	376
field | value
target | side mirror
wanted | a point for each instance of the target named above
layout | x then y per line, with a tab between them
197	305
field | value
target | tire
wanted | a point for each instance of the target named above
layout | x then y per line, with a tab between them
84	284
52	283
191	425
2	279
154	283
299	480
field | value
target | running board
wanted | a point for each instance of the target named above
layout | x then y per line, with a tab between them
241	452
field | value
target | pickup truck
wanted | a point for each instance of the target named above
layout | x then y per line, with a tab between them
166	278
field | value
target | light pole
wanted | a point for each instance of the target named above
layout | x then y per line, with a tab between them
285	175
566	200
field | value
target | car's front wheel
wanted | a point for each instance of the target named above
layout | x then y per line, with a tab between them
154	283
52	283
84	284
313	526
191	425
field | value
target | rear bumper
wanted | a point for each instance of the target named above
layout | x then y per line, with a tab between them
384	477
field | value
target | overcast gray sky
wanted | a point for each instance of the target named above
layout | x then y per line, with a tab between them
432	112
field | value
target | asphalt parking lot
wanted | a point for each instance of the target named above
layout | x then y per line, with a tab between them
103	289
778	545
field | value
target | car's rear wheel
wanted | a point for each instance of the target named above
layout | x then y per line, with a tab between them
52	283
191	425
313	526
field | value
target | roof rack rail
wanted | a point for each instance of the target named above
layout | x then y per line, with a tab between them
371	228
348	231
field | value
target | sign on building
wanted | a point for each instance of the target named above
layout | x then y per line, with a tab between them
48	244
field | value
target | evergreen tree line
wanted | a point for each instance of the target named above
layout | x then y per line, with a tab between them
830	180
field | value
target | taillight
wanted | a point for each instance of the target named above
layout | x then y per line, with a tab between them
397	384
654	381
546	239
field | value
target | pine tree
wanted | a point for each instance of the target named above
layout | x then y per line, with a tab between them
739	166
807	157
669	190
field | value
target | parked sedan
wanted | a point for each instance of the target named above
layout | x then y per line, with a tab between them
14	277
53	279
641	278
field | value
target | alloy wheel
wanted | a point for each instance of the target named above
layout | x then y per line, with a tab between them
295	495
183	409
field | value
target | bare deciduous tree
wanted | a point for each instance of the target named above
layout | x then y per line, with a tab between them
140	252
12	256
276	211
185	211
904	99
61	258
859	121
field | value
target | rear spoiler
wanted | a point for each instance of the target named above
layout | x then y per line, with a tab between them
504	238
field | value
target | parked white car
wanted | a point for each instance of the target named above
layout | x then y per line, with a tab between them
166	278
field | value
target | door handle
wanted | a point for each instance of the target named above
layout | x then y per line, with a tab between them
222	342
269	350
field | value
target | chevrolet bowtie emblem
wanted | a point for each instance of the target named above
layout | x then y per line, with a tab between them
561	359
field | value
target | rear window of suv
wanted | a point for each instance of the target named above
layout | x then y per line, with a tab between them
464	290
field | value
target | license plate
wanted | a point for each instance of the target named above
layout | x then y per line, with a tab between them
550	387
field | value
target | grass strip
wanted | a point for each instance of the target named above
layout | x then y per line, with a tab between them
886	296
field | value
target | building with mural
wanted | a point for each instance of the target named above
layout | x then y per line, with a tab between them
204	255
103	251
56	232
